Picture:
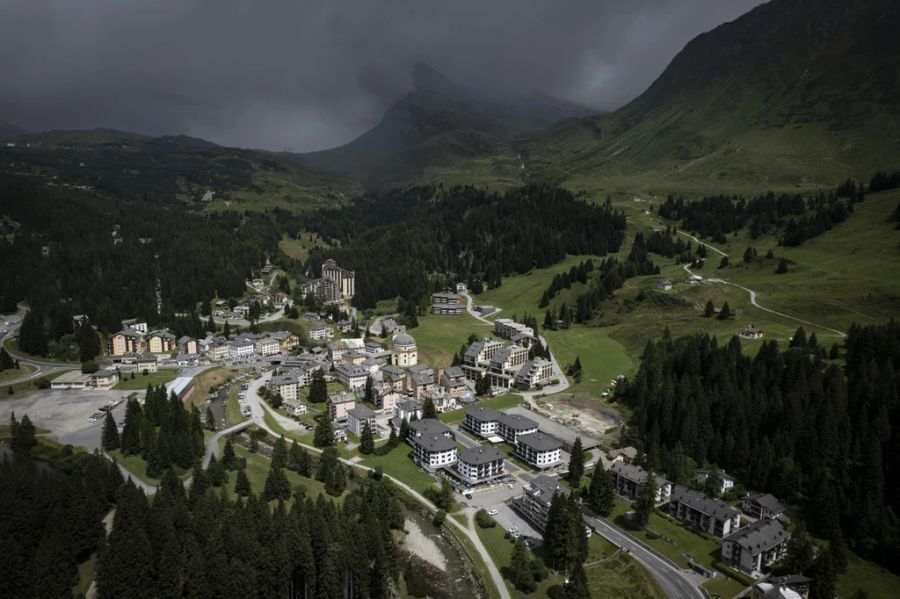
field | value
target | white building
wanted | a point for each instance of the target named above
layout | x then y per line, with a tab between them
240	348
357	419
320	332
535	373
404	352
433	444
352	376
508	328
480	464
295	408
539	450
285	385
756	546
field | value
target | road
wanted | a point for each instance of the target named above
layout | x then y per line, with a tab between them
258	413
673	582
471	310
42	367
558	373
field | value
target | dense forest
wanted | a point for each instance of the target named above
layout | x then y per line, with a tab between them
50	519
793	218
72	252
790	421
399	242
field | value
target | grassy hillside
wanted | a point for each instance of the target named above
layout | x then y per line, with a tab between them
793	93
203	175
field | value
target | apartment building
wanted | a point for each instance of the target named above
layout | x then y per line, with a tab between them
712	516
539	450
534	504
479	464
628	478
756	546
433	444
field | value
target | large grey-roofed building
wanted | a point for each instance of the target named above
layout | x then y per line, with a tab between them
756	546
709	515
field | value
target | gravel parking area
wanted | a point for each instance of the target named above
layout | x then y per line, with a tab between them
65	413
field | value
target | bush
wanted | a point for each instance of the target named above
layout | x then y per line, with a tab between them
439	518
484	520
89	367
416	585
539	570
42	383
556	592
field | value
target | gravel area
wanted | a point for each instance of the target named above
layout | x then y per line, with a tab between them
420	545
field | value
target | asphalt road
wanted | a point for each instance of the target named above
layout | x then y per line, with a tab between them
673	582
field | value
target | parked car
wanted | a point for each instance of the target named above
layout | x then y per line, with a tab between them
468	495
492	512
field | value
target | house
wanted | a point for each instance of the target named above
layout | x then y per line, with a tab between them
339	433
535	373
694	280
286	339
339	404
443	402
135	325
484	310
344	325
352	376
725	482
161	342
623	454
461	288
320	332
218	351
146	364
534	504
750	332
511	426
506	328
357	419
104	379
404	352
395	377
389	325
408	410
712	516
433	444
188	345
187	359
762	505
72	379
295	408
420	384
354	357
285	385
479	464
756	546
125	342
388	400
452	381
664	285
628	478
481	352
793	586
482	421
539	450
448	303
267	346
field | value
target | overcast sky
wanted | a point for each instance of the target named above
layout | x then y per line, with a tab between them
300	75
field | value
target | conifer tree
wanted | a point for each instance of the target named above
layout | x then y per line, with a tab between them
646	499
318	388
576	463
557	534
110	438
304	464
210	419
277	485
323	436
601	496
725	312
428	409
131	430
577	587
242	484
229	458
521	573
782	267
279	452
366	441
710	309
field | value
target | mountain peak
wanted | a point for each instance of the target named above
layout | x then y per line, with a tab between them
426	78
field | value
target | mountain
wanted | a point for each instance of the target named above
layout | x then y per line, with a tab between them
441	130
794	92
10	131
130	166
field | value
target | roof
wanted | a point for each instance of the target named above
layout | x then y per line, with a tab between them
774	591
284	379
454	372
127	333
632	472
185	339
474	349
517	422
626	452
768	502
421	378
342	397
543	488
352	370
702	503
480	455
420	368
429	426
760	536
434	442
483	414
361	411
404	339
409	405
539	442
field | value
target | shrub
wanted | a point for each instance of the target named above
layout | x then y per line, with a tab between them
416	585
89	367
439	518
484	520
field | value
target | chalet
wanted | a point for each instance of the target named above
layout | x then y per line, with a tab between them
750	332
338	432
539	450
725	482
286	339
408	410
623	454
452	381
320	332
534	504
420	384
628	479
756	546
295	408
357	419
433	444
479	464
344	325
664	285
146	363
712	516
762	505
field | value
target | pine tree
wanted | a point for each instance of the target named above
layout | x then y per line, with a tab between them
295	454
521	573
646	500
601	496
366	441
229	458
210	419
557	534
277	485
725	312
577	587
6	361
576	463
323	436
337	483
428	409
710	309
131	431
370	391
242	484
782	267
22	434
110	438
318	388
304	465
279	452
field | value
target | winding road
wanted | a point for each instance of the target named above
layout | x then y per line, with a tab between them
41	367
673	581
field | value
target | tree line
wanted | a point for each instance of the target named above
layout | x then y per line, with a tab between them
788	421
577	274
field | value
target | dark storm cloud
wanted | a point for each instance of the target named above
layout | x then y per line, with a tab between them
290	74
